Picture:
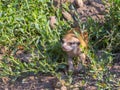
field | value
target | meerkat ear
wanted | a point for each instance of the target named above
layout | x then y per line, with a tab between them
61	40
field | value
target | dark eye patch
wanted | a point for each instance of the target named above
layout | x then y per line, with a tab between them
71	43
78	43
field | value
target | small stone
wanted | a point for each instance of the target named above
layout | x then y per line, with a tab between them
76	89
91	88
32	78
79	3
5	80
19	52
53	21
67	16
63	88
58	85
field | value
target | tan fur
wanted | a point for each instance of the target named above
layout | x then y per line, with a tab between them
83	37
75	43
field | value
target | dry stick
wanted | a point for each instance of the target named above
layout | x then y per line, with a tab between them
100	40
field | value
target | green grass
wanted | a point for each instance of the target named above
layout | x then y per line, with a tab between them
26	23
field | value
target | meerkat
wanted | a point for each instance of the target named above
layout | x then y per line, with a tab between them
75	43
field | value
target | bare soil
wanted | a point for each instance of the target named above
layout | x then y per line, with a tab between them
49	82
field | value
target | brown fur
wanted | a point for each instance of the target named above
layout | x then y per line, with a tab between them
75	43
83	37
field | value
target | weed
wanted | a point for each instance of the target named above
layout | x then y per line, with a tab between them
25	23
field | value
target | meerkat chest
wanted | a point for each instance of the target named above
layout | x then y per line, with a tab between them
75	52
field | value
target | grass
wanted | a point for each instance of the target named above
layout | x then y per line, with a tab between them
25	23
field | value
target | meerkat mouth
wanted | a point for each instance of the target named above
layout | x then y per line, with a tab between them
67	50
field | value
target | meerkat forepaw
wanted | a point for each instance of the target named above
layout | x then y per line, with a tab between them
71	69
79	67
72	43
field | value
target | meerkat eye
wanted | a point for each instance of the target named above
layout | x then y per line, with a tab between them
71	43
78	43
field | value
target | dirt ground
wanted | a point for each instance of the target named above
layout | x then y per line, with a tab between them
49	82
94	9
90	8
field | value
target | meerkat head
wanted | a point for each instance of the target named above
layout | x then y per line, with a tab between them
70	43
